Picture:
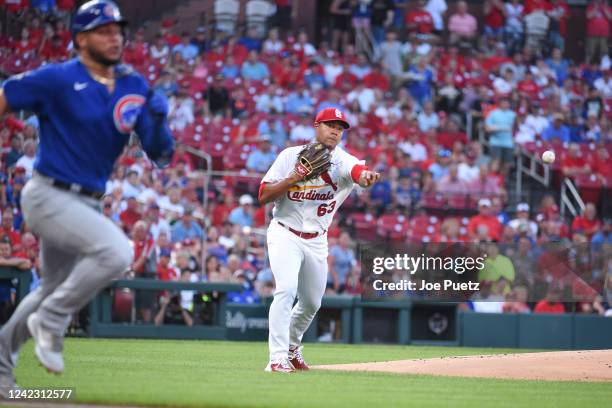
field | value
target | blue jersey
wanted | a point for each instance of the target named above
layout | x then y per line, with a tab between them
83	127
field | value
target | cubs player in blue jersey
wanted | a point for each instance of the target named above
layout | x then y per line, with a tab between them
87	107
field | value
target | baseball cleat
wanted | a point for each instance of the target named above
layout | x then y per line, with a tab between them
48	346
296	359
280	366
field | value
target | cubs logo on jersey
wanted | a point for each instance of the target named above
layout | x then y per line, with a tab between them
126	111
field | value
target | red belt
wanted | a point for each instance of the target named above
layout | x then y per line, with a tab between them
304	235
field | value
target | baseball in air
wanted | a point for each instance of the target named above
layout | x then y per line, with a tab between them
548	156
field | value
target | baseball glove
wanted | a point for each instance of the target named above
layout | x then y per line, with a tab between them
313	160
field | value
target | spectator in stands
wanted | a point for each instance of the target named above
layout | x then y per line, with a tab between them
420	80
516	301
428	119
132	185
270	101
273	45
166	83
604	235
574	163
26	161
486	219
187	227
131	214
9	260
462	25
144	266
360	68
500	124
420	22
522	221
242	215
341	260
200	40
16	150
558	65
557	130
601	164
251	40
451	183
514	26
303	131
253	69
587	223
303	47
494	17
505	84
551	304
181	110
217	98
261	158
230	69
497	267
159	49
172	312
417	150
299	101
7	227
437	10
439	168
157	224
54	50
382	18
598	16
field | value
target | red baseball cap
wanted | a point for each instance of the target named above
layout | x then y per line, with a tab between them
330	115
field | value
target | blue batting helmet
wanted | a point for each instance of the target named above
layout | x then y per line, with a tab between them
96	13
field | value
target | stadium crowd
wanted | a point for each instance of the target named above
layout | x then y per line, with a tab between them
419	95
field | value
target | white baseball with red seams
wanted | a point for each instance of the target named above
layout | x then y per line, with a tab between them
299	265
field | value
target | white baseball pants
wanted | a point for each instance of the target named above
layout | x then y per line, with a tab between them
299	267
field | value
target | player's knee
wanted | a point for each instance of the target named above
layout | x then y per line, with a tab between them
310	305
285	292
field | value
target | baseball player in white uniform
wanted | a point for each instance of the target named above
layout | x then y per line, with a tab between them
297	241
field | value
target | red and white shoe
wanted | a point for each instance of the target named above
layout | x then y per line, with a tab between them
296	359
280	366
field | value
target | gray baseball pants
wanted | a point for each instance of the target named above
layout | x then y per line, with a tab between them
81	252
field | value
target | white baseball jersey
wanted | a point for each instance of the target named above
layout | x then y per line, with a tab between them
309	206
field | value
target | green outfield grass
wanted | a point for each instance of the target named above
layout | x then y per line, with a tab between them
230	374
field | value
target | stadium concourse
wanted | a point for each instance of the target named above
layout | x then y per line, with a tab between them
412	96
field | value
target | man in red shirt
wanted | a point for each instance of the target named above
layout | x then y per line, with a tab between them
54	50
528	87
587	223
144	267
419	21
376	79
573	163
130	215
485	219
535	5
495	18
165	271
551	303
7	228
598	16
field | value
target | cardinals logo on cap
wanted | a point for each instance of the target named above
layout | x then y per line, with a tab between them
338	113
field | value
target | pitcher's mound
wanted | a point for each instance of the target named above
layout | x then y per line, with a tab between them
595	365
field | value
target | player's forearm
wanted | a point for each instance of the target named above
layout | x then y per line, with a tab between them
272	191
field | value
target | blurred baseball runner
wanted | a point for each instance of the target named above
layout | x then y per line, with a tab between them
87	107
307	185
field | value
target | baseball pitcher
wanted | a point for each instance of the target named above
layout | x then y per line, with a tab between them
307	185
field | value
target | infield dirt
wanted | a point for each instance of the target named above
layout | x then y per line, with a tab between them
592	365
